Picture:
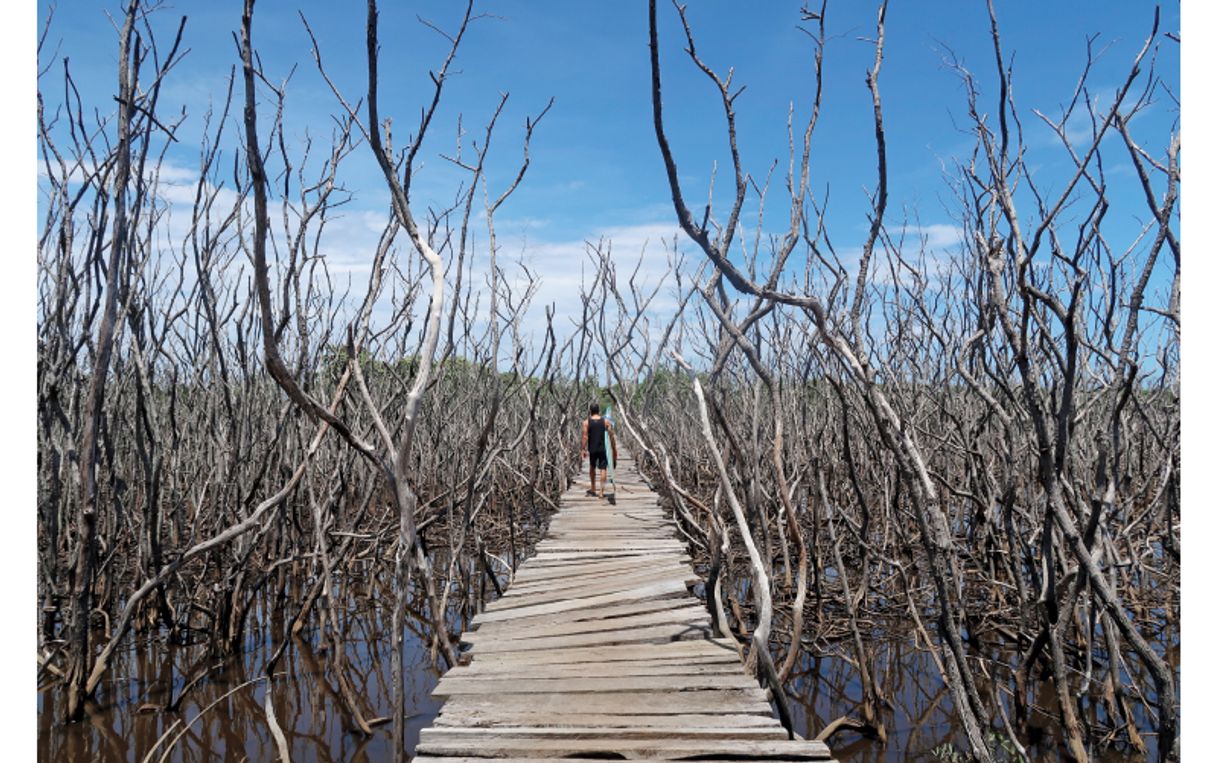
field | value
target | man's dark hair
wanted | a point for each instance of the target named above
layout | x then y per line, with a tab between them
594	409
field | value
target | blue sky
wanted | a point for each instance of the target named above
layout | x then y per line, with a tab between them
596	169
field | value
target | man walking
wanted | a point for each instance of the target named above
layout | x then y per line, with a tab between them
593	448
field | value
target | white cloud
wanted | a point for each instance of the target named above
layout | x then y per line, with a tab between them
1087	116
937	236
932	246
563	266
560	265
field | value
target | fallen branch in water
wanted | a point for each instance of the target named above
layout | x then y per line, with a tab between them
186	727
844	723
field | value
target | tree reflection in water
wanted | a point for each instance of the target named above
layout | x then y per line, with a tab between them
127	719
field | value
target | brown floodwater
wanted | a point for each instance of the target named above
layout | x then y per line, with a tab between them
222	717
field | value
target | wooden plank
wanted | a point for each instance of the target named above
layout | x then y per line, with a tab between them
600	612
472	717
494	685
615	653
597	649
601	759
624	513
621	516
623	668
585	590
567	557
673	632
625	518
577	575
584	506
651	590
531	574
601	532
635	520
625	505
623	499
751	701
644	759
586	582
592	579
512	630
608	532
591	545
444	734
588	619
487	745
588	572
591	556
650	529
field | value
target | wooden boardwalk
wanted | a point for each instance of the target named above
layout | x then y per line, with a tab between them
598	650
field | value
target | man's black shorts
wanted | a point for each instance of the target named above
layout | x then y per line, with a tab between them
599	459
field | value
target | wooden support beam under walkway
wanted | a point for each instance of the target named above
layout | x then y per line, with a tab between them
598	650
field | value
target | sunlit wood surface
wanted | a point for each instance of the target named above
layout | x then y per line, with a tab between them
598	649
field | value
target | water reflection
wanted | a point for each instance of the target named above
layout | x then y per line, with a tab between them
126	720
920	717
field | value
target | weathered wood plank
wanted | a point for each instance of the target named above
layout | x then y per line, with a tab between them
577	573
649	529
443	734
514	630
599	612
590	545
599	572
607	669
598	649
489	746
567	557
540	573
751	701
613	653
625	511
601	533
636	593
592	581
642	759
585	590
497	717
494	685
671	632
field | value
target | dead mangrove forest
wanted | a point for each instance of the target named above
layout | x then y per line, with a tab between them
970	455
